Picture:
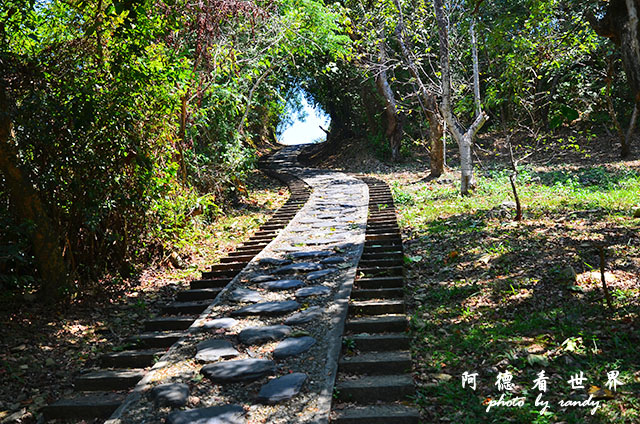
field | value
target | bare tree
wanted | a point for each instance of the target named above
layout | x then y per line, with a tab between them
428	102
463	137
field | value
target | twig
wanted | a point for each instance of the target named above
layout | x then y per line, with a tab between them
512	180
605	288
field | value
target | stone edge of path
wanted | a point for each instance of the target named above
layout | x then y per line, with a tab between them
196	327
339	317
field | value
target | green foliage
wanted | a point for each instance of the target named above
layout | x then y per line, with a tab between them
137	120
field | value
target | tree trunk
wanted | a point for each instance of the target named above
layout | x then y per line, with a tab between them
28	207
476	71
395	122
620	24
429	103
463	137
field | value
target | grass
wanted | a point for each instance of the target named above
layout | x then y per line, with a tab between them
490	295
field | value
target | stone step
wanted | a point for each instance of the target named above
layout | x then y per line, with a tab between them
383	245
245	258
387	237
370	256
84	406
379	324
382	230
376	414
245	251
131	358
380	282
153	339
206	275
378	248
210	283
233	266
380	342
381	271
383	262
371	389
108	380
169	323
376	363
389	293
198	294
272	227
373	307
176	308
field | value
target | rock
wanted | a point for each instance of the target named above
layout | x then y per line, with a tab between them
508	204
213	350
259	335
305	316
313	291
268	308
177	261
299	267
282	388
262	278
319	274
227	414
333	260
311	254
240	370
274	261
170	394
220	323
246	296
293	346
564	275
282	284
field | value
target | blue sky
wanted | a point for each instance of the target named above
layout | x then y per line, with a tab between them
307	130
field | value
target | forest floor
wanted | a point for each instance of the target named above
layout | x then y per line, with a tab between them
522	300
42	349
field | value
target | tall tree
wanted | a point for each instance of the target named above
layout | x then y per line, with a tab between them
28	207
620	24
428	102
464	137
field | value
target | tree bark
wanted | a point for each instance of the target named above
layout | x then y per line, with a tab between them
620	24
429	103
28	207
395	121
463	137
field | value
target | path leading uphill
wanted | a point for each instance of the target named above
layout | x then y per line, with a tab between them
267	345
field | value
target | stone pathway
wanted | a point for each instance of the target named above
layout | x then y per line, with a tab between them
266	349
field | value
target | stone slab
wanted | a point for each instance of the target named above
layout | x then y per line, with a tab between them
282	284
311	254
282	388
293	346
259	335
274	261
246	296
227	414
170	394
313	291
268	308
298	267
225	323
214	350
237	371
305	316
319	274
